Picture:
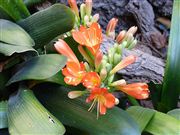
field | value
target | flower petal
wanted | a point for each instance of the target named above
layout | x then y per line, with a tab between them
110	100
91	80
62	47
102	109
72	80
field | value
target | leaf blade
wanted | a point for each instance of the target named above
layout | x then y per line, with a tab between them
39	68
74	113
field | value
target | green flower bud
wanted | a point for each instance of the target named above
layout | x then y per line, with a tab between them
103	74
132	45
110	79
108	67
83	10
117	58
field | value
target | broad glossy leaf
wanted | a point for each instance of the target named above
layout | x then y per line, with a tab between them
74	113
13	34
27	116
175	113
141	115
9	49
157	123
14	39
16	9
39	68
171	85
45	25
3	115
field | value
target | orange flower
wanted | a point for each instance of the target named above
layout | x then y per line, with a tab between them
110	30
136	90
73	5
90	37
65	50
91	80
103	98
73	73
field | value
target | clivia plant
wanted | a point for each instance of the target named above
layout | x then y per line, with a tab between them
59	76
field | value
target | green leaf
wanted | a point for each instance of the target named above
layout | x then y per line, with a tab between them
9	49
156	123
74	113
14	8
3	115
141	115
39	68
45	25
175	113
14	34
171	86
14	39
27	116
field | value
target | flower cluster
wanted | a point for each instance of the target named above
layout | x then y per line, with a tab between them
97	72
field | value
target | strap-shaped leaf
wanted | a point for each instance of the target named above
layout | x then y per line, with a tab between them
171	86
39	68
13	34
154	122
45	25
26	116
9	49
16	9
14	39
175	113
3	115
74	113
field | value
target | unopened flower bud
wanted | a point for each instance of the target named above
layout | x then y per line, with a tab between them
88	7
103	74
83	10
105	58
110	79
119	49
87	67
110	30
95	18
132	30
108	67
116	101
117	58
121	82
75	94
120	36
86	19
124	44
129	39
132	45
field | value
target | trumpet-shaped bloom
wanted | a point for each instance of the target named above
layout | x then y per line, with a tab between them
90	37
62	47
103	98
136	90
124	63
73	73
91	80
